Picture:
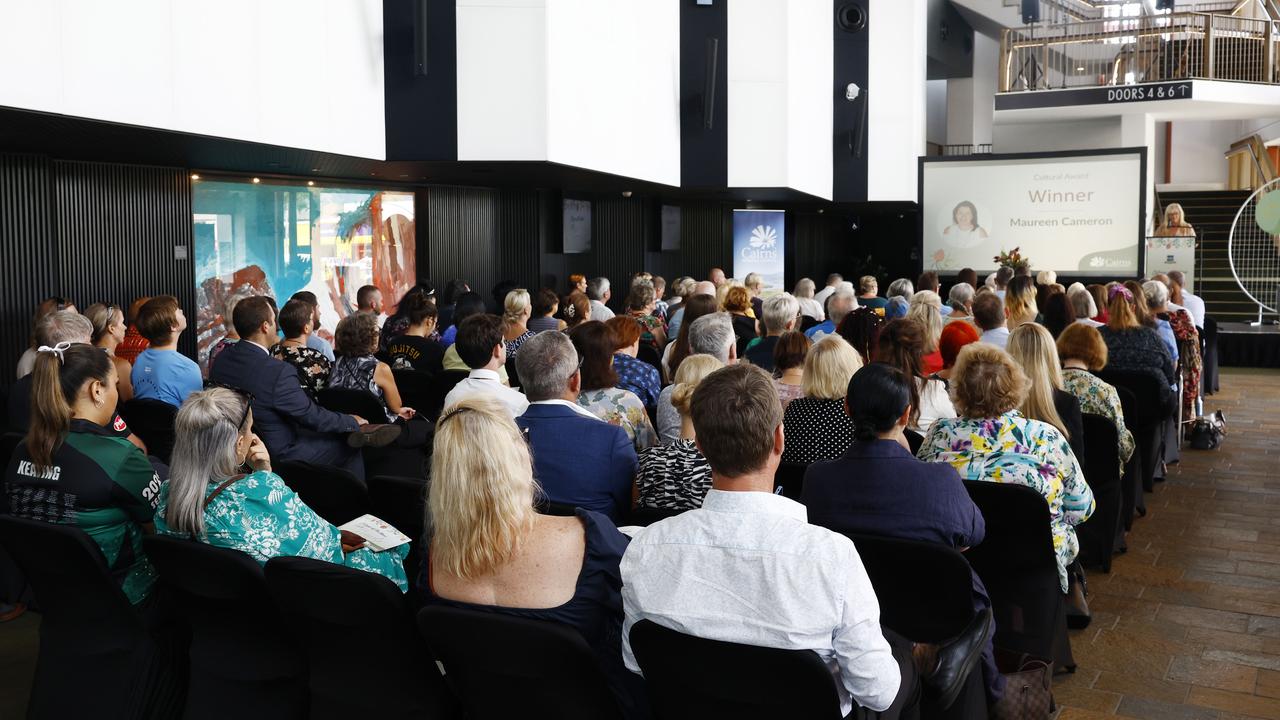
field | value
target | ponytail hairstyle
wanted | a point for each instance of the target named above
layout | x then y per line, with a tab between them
204	450
878	394
59	375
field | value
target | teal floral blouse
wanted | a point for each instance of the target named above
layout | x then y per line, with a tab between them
261	516
1099	398
622	408
1012	449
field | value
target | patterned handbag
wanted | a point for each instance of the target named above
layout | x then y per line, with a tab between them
1028	693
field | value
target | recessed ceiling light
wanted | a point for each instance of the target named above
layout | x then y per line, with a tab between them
195	176
311	182
257	180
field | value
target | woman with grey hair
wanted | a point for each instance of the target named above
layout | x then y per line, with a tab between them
960	298
804	291
1083	305
902	288
221	491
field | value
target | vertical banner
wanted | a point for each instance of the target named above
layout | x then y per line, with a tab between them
758	240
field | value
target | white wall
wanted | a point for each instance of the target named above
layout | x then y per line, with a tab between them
588	83
780	95
1082	134
1197	150
896	93
970	101
296	73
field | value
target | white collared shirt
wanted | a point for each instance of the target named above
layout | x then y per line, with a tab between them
1194	306
263	349
996	336
487	382
747	567
600	311
572	406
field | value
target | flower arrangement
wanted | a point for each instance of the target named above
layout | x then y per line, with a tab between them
1013	260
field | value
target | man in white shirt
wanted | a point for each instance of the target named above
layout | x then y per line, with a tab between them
599	293
1194	304
833	284
480	345
991	318
843	302
748	568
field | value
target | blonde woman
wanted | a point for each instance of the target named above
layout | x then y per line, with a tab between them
676	476
490	549
816	425
516	310
1034	349
926	309
1020	301
108	333
211	498
1175	223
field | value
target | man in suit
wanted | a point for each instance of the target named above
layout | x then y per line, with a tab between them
578	458
290	425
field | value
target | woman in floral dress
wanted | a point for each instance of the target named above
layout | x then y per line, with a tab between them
600	392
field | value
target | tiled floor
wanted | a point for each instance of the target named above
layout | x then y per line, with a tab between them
1187	625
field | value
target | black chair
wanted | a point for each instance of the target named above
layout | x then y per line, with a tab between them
335	494
401	501
548	507
152	420
1131	498
8	443
692	678
807	322
513	374
1102	471
96	652
1155	404
932	603
1019	568
914	440
242	656
353	402
414	387
440	386
790	477
1209	371
649	354
546	669
645	516
343	617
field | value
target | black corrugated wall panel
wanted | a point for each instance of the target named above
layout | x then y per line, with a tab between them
461	232
29	266
705	239
618	240
518	223
125	231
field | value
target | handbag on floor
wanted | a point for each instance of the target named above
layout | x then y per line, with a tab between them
1207	431
1028	690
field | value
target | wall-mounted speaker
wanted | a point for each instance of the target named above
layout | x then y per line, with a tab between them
1030	11
851	17
420	37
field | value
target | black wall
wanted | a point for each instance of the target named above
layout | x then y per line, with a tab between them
850	54
91	232
704	154
421	111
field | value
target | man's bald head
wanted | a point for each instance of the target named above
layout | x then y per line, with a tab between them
706	287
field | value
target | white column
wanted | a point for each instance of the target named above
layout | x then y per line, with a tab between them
1139	130
896	97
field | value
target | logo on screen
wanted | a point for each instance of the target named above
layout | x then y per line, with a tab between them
1097	261
764	237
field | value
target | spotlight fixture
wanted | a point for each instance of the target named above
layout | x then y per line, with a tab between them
311	182
257	180
626	193
195	176
1080	69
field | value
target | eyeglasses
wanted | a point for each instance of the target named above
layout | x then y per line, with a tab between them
245	394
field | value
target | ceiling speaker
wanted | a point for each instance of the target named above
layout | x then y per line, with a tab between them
852	17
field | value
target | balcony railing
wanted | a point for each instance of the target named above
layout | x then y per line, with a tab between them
1132	50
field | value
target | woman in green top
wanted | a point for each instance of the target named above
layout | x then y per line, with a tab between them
208	498
74	468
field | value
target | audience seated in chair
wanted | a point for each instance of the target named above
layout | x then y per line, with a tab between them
160	372
879	488
600	393
230	336
416	349
516	311
108	331
955	335
989	315
209	499
48	306
73	468
706	333
579	460
840	303
313	368
901	343
291	426
1082	352
1132	346
781	315
817	426
480	345
642	304
701	301
773	579
489	549
992	441
355	342
861	329
788	366
926	310
1033	349
676	476
634	375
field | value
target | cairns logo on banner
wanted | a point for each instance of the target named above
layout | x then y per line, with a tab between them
758	240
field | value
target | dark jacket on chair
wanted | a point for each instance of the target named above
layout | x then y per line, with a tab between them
578	460
290	425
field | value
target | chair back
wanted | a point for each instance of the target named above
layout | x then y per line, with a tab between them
645	516
95	652
694	678
1143	415
241	654
1149	391
341	615
401	501
353	402
414	387
932	602
152	420
549	507
513	373
807	322
545	668
1102	471
440	387
914	440
790	477
334	493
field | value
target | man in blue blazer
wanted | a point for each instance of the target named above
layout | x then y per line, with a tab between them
290	425
578	458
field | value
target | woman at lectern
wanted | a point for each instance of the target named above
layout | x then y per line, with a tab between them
964	231
1175	223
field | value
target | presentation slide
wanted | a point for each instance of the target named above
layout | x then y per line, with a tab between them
1077	214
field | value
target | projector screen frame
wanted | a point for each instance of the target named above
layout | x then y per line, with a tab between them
1141	151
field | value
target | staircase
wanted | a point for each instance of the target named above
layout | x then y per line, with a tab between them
1211	213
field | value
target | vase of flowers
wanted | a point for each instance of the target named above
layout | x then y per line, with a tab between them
1012	259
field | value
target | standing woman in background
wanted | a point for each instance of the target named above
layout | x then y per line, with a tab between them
108	331
1175	223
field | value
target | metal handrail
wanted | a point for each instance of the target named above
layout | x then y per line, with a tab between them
1258	152
1132	50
